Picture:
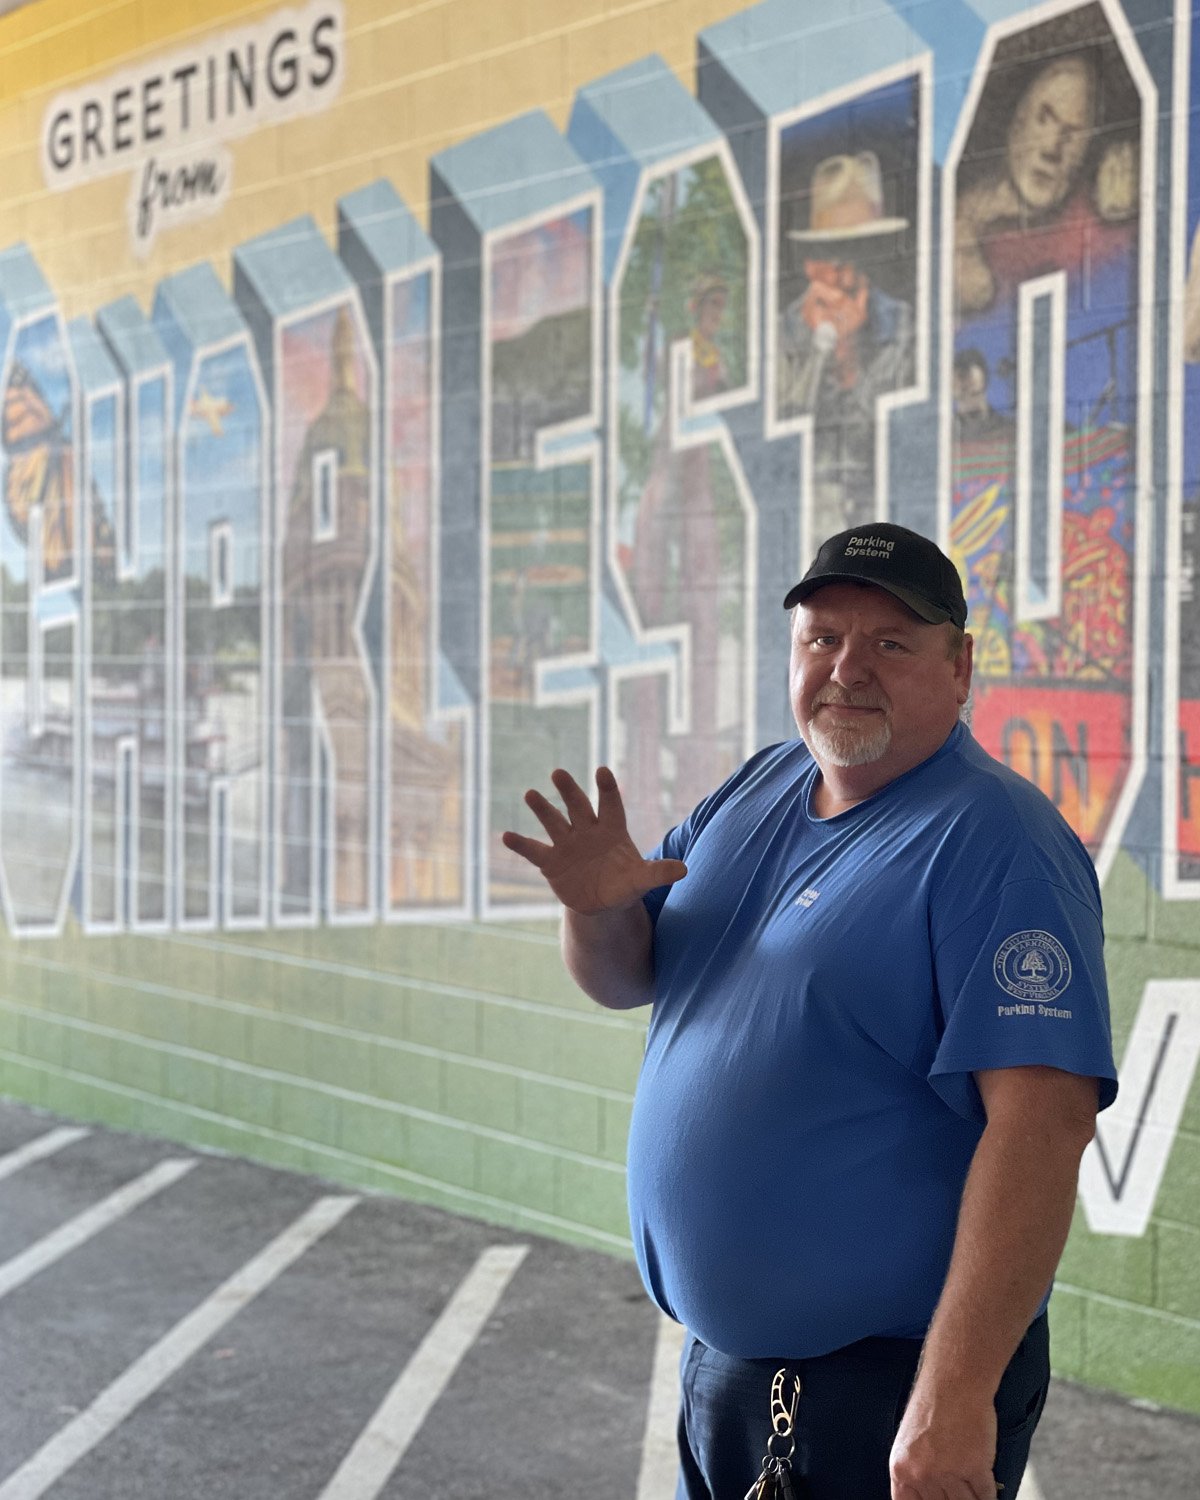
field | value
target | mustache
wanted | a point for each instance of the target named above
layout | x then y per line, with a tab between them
832	693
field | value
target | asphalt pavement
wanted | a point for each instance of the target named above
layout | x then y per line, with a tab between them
179	1325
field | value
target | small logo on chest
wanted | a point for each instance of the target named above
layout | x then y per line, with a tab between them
806	898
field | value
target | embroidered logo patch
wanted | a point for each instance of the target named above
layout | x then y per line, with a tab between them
1032	966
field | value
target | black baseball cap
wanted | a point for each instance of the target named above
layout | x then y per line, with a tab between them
891	557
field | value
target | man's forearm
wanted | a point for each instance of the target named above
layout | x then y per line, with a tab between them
609	955
1013	1223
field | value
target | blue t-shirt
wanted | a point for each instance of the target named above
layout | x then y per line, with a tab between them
824	989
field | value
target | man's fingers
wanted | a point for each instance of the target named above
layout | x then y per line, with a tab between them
663	872
574	798
547	814
609	806
530	849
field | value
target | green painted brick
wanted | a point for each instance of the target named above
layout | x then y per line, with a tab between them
138	1012
97	952
10	1029
517	1174
247	1096
1116	1264
288	1154
442	1151
90	1053
308	1113
374	1132
223	1135
1126	900
1179	1194
64	992
449	1022
343	1061
118	1108
559	1116
594	1196
1179	1270
510	965
402	1077
212	1028
192	1080
1067	1322
483	1096
614	1119
1173	922
312	995
25	983
171	1121
278	1044
44	1038
607	1056
79	1099
522	1038
22	1080
376	1007
1131	1351
141	956
192	964
252	980
139	1065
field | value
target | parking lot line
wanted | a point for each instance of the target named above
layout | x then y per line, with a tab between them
76	1231
660	1450
152	1369
383	1442
39	1148
1030	1489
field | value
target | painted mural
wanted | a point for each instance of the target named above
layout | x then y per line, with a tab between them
1044	383
540	331
681	525
847	319
1181	824
223	583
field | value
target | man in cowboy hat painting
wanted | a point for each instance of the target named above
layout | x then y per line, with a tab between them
843	342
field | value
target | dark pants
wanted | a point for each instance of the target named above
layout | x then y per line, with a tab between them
849	1412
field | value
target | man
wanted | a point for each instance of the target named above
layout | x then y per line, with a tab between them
975	418
878	1043
844	343
1033	213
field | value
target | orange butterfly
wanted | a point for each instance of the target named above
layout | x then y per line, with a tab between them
40	470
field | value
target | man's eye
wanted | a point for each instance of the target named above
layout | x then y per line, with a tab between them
892	645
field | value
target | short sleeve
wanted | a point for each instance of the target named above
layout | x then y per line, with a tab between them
1021	982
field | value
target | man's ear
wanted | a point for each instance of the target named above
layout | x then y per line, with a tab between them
963	665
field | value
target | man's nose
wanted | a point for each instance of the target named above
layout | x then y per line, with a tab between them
852	664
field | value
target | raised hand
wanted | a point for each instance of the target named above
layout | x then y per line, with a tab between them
591	864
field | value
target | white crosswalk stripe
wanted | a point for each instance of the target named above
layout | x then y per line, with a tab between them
383	1442
142	1378
39	1148
660	1449
80	1229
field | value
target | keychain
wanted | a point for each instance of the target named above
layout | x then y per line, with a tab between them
775	1480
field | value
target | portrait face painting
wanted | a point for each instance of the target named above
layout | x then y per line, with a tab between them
1050	132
